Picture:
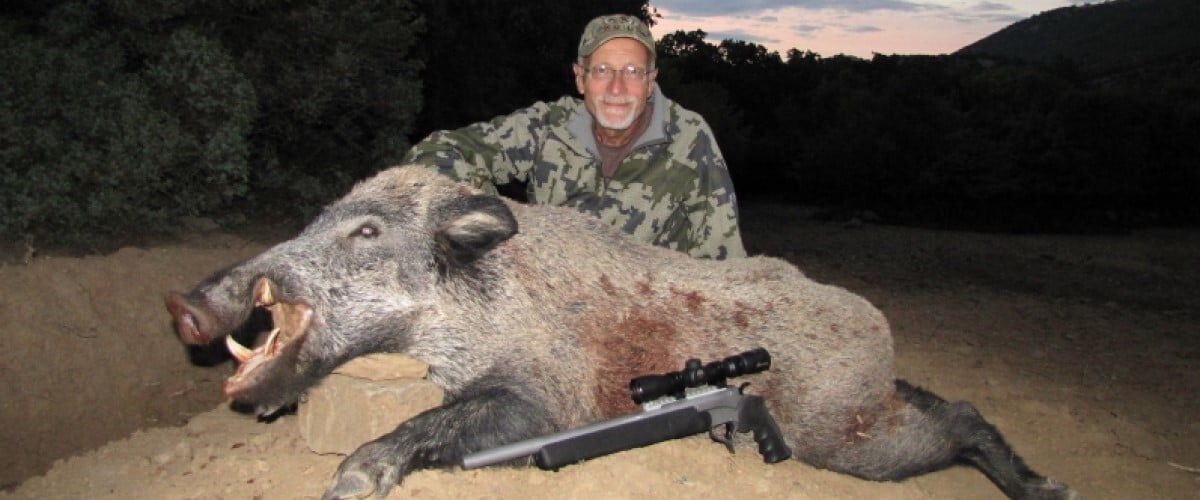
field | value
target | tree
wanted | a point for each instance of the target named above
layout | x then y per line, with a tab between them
122	115
98	141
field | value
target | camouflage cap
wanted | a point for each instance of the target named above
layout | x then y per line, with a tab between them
605	28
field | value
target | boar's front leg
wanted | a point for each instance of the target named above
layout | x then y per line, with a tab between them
480	417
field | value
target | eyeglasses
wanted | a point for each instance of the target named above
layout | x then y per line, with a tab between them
629	73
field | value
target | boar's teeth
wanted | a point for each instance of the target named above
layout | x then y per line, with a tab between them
270	346
238	351
263	294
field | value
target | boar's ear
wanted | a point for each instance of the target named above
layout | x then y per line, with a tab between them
470	226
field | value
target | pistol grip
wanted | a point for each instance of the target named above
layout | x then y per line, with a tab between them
753	417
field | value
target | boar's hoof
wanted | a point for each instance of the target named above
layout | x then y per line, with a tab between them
373	468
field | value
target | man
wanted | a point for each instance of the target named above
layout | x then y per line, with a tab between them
624	153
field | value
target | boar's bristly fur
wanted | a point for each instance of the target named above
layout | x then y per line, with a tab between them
534	319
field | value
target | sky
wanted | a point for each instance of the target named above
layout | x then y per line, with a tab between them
852	27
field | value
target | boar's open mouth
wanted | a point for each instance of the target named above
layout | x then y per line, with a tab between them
290	325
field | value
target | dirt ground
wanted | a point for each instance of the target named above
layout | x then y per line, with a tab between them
1084	350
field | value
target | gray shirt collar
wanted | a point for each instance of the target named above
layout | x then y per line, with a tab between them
580	124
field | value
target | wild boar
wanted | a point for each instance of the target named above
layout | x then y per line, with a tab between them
534	318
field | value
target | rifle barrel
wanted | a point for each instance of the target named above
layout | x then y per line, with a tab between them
511	451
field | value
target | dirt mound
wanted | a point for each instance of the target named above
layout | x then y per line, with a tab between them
221	454
89	352
1083	350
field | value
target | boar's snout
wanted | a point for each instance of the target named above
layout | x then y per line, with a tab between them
193	324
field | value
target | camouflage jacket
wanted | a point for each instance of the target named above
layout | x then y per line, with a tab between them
673	190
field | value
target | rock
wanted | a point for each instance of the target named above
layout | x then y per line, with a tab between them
343	412
383	367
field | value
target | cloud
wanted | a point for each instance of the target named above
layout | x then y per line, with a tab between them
991	7
985	12
806	31
1005	19
976	18
740	35
746	7
769	19
862	29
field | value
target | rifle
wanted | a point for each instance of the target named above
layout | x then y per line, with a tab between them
674	405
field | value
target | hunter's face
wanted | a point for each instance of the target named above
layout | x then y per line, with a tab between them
616	83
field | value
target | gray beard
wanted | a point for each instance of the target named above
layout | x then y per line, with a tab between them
623	124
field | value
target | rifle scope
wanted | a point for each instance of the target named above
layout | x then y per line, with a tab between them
696	374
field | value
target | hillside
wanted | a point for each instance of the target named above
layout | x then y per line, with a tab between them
1101	38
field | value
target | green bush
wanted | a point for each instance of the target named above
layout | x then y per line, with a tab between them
214	109
120	116
337	86
92	149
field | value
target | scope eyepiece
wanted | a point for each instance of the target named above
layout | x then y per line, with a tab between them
695	374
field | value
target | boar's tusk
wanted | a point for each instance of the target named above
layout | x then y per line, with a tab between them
264	294
271	345
239	351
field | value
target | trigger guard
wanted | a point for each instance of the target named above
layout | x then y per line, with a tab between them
729	435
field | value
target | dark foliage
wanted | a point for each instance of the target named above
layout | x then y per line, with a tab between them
1100	38
96	140
952	141
121	116
337	84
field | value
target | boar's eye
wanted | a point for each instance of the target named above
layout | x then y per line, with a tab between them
367	230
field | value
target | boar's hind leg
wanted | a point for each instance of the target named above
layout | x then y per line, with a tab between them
478	418
928	433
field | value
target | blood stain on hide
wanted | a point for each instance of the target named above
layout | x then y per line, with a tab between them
740	319
637	345
861	425
692	299
742	313
891	411
606	284
646	287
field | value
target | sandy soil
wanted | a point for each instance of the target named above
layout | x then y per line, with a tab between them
1083	350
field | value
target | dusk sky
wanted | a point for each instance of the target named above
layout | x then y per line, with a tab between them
853	27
